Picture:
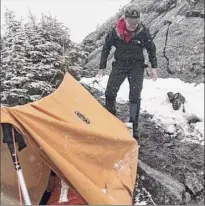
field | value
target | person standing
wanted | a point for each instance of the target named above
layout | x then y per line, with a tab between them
129	37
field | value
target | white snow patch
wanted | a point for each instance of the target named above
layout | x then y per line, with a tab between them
139	202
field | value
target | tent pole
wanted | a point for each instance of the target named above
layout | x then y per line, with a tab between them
19	172
8	133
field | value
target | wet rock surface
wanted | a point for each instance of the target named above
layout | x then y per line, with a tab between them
172	171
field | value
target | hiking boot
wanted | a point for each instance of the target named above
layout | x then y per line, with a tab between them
111	106
130	120
135	130
136	134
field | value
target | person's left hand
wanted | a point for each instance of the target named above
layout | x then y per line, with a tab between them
154	74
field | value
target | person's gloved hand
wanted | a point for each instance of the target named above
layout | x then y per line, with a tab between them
100	73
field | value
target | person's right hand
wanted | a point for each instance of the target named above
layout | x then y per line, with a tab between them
100	73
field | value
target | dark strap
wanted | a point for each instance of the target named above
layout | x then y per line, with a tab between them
8	139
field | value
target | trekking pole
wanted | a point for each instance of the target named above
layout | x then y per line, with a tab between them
19	172
11	145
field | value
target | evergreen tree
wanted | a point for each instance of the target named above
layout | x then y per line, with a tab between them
33	62
13	61
13	51
55	31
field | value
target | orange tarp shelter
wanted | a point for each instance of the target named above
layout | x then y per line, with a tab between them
70	132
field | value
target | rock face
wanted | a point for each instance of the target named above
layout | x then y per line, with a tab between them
177	29
171	170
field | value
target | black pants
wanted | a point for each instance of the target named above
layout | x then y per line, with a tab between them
135	75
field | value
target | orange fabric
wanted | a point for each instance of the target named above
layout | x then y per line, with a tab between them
81	141
74	198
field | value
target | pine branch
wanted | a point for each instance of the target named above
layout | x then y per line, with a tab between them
32	18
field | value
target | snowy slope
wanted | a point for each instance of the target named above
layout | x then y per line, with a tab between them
155	102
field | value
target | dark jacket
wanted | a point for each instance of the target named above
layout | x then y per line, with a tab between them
129	52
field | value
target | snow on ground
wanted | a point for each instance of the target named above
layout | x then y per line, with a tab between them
155	102
143	197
